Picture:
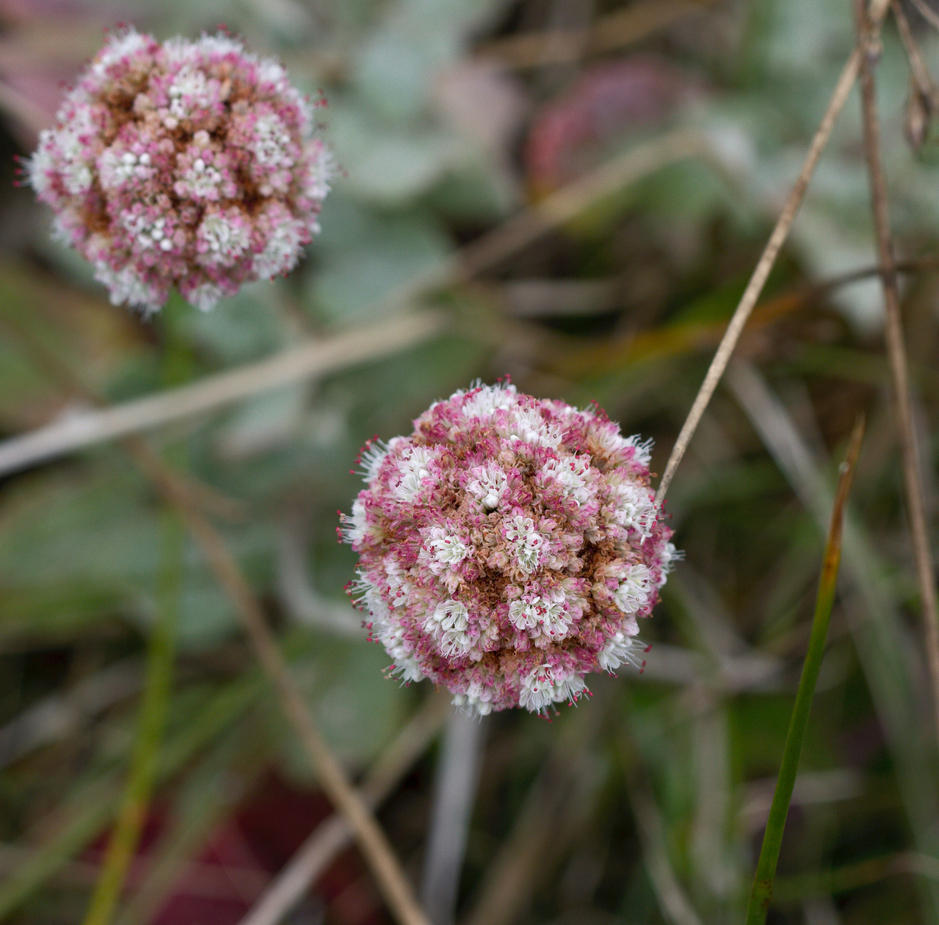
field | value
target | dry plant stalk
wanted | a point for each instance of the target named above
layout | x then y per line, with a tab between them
337	786
922	80
868	39
454	793
929	14
615	30
375	847
329	838
317	357
767	259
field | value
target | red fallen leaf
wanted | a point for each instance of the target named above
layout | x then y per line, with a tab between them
241	856
607	102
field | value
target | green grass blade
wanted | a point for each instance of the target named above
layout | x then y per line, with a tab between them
161	650
136	797
761	892
210	720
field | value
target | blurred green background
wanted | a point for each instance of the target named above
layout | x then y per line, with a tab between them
669	131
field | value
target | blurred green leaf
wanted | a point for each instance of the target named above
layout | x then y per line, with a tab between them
395	249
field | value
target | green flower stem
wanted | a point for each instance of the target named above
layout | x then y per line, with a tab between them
161	649
761	892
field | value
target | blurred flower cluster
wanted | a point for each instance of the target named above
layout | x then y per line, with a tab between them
188	164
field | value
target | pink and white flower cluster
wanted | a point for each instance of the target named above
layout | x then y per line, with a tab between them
187	163
508	548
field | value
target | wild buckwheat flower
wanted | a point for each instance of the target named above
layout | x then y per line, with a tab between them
508	548
187	163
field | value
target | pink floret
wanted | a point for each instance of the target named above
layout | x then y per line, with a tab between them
508	548
188	163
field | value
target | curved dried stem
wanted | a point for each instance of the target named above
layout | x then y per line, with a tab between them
372	841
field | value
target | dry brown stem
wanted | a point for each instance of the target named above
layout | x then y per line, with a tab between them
615	30
327	840
921	76
314	358
929	14
183	486
767	259
332	778
571	200
322	356
868	44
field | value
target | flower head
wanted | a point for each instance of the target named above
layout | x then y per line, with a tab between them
187	163
508	548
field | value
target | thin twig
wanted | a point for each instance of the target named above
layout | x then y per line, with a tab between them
286	890
896	352
615	30
183	484
923	96
336	785
318	357
930	15
332	778
921	77
765	264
